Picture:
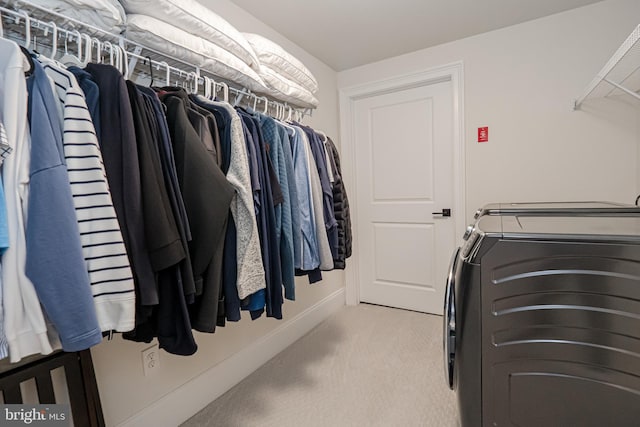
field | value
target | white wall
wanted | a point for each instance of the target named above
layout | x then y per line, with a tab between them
184	385
520	81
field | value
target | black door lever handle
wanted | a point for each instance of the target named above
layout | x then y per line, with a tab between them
445	212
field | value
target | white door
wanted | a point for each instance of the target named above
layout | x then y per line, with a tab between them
404	178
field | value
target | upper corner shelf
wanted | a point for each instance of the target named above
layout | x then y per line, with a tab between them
619	75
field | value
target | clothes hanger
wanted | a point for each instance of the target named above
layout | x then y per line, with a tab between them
193	83
87	50
167	79
323	136
121	60
266	105
27	29
179	77
125	62
239	97
225	92
54	39
215	87
116	56
109	46
98	44
121	54
207	87
290	113
68	58
148	58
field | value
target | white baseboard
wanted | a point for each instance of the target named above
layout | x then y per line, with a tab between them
185	401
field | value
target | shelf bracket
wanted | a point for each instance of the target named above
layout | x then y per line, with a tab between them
622	88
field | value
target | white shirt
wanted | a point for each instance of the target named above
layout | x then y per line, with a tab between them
24	324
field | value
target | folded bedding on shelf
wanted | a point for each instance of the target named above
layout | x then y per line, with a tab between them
279	60
286	90
107	15
195	50
196	19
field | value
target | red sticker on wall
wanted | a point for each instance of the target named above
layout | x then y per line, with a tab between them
483	134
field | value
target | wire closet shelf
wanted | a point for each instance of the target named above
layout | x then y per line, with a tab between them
51	33
620	75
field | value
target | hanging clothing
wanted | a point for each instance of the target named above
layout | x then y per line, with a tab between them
160	134
120	155
308	257
91	94
24	329
317	198
270	197
250	270
296	227
280	156
256	302
168	161
102	244
227	130
5	151
60	274
341	209
169	319
206	126
207	196
320	157
161	232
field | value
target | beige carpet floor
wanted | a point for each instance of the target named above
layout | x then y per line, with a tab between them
364	366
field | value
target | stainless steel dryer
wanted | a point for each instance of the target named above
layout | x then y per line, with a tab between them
542	317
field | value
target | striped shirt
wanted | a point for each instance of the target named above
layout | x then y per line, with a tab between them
102	244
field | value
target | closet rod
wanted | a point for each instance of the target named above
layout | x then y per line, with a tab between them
50	19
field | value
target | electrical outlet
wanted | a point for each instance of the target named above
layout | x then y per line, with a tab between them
150	360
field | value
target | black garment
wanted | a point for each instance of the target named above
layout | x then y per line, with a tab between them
223	123
161	231
166	155
206	125
169	319
203	122
120	156
161	135
340	209
230	297
207	196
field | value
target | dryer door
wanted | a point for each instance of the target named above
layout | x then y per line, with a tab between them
449	319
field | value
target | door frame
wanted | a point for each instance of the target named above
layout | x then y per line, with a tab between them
348	96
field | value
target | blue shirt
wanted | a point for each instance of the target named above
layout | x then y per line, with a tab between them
310	257
55	263
318	151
